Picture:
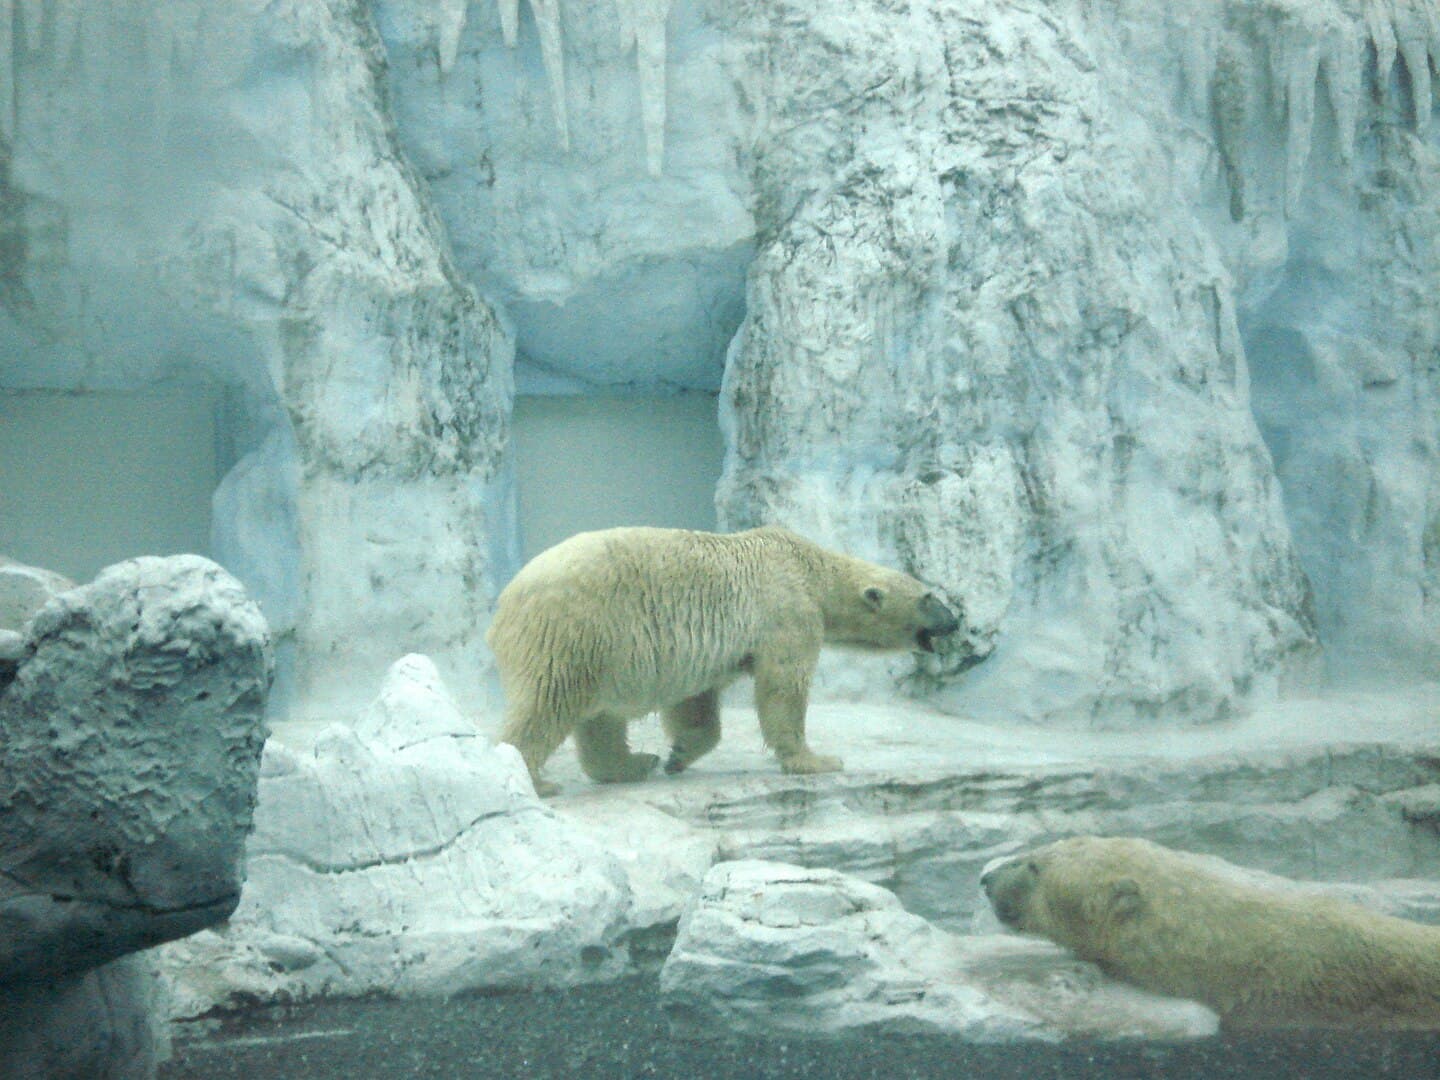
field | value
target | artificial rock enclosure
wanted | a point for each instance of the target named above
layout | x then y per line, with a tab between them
1113	321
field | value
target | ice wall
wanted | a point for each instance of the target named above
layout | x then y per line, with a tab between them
1094	316
1028	348
1303	133
1113	320
616	277
213	193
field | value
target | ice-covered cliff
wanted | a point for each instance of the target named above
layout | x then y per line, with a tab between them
1113	320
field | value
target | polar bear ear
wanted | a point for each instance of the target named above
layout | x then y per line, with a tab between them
874	596
1125	899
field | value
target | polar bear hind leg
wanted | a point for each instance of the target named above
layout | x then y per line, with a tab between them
693	726
537	734
605	752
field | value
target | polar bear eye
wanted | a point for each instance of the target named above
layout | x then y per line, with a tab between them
874	596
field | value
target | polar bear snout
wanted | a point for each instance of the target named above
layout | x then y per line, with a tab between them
1008	883
937	621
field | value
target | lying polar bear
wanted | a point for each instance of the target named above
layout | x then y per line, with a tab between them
1190	926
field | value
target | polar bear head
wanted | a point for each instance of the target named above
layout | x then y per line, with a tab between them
871	607
1078	891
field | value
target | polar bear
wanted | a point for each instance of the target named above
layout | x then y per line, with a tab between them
1192	926
608	626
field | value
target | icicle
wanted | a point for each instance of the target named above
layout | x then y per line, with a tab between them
1382	35
510	20
1341	64
452	25
1199	61
547	21
66	16
33	13
1231	112
1300	120
642	23
8	58
1417	59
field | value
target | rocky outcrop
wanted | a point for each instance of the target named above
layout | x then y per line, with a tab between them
767	947
289	259
133	729
406	854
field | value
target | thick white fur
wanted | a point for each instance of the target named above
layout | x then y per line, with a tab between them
609	626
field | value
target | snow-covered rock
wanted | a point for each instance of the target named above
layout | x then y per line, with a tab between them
407	855
769	947
1339	792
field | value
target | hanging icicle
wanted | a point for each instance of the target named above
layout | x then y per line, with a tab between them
452	25
7	77
510	21
547	21
642	24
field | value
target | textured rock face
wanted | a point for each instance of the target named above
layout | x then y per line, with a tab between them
408	855
214	194
133	730
768	947
1095	317
1030	350
1082	315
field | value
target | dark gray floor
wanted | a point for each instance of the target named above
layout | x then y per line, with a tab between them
619	1031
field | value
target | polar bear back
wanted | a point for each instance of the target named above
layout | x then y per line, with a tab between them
648	616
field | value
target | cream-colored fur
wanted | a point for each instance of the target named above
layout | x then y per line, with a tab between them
1260	957
608	626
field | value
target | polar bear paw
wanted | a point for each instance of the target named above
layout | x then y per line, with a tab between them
635	767
807	763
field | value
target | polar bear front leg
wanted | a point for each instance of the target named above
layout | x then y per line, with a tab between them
694	728
782	693
605	753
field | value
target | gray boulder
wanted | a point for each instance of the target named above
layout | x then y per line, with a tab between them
133	728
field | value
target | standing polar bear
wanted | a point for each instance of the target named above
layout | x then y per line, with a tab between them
608	626
1191	926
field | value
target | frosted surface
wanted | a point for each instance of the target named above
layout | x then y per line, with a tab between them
88	480
591	463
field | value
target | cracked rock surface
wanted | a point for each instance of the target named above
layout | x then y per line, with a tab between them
406	854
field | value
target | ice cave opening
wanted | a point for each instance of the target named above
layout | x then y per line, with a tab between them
88	479
595	461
